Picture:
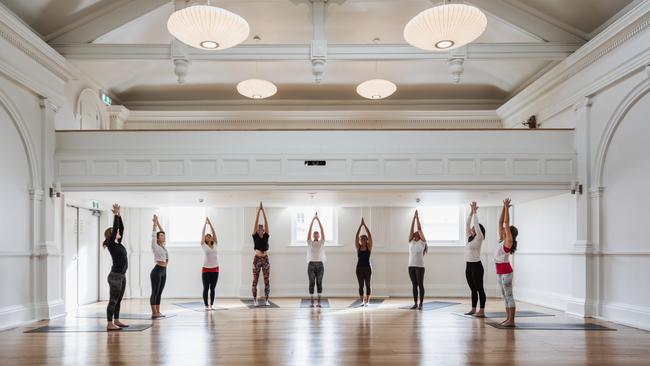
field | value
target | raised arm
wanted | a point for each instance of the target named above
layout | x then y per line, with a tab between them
369	234
411	230
214	232
357	244
153	231
322	230
257	218
311	226
506	224
468	223
500	228
205	226
266	221
475	224
117	224
417	219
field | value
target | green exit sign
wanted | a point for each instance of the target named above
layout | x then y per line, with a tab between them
106	99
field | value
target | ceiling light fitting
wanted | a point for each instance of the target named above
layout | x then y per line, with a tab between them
445	27
208	27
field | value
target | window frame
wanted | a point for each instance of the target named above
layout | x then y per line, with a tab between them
332	238
461	230
169	229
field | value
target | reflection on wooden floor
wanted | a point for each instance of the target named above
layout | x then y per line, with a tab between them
339	335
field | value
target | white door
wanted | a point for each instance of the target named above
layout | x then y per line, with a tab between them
88	253
70	258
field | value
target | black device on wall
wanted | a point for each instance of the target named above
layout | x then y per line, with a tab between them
315	162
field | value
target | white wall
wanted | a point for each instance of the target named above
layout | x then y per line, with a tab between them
625	241
445	265
547	232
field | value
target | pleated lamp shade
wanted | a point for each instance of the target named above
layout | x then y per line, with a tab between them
208	27
376	89
256	88
445	27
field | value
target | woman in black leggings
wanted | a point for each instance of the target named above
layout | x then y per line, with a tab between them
474	268
159	272
363	244
417	249
117	278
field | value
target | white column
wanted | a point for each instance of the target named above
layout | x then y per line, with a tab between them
582	301
47	270
118	115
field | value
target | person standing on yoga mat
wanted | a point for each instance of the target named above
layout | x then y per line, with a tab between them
210	270
507	246
315	260
473	267
363	245
261	258
117	277
159	272
417	249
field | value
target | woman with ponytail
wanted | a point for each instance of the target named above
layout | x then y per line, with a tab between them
507	246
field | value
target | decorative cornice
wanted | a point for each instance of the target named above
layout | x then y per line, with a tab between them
337	124
48	104
585	102
626	28
18	34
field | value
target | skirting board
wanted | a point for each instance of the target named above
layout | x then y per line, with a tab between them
18	315
626	314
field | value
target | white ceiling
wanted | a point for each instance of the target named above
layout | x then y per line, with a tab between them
352	22
294	197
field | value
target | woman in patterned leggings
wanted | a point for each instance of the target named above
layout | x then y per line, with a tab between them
507	246
261	258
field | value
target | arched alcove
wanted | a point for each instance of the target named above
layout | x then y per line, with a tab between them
91	113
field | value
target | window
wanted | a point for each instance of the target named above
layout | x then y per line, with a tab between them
442	225
184	224
302	218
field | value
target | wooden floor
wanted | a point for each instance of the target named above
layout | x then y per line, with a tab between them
336	336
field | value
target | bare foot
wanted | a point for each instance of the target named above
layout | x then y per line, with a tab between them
480	314
119	324
471	312
112	327
509	324
415	306
420	307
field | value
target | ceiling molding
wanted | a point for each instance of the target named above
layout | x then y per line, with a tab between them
320	105
335	52
290	120
525	21
566	27
632	24
14	31
94	25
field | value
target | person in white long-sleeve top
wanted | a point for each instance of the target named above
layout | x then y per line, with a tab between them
474	270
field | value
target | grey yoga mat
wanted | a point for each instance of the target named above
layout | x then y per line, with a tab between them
306	303
249	304
501	314
553	326
196	306
373	303
433	305
131	316
87	328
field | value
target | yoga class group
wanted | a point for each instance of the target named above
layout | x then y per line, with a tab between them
315	258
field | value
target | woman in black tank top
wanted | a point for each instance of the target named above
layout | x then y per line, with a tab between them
363	244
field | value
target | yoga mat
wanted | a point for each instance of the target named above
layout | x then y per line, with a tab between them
553	326
306	303
87	328
501	314
373	303
249	304
432	305
196	306
132	316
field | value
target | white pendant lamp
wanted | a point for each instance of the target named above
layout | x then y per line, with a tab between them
376	89
208	27
256	88
445	27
